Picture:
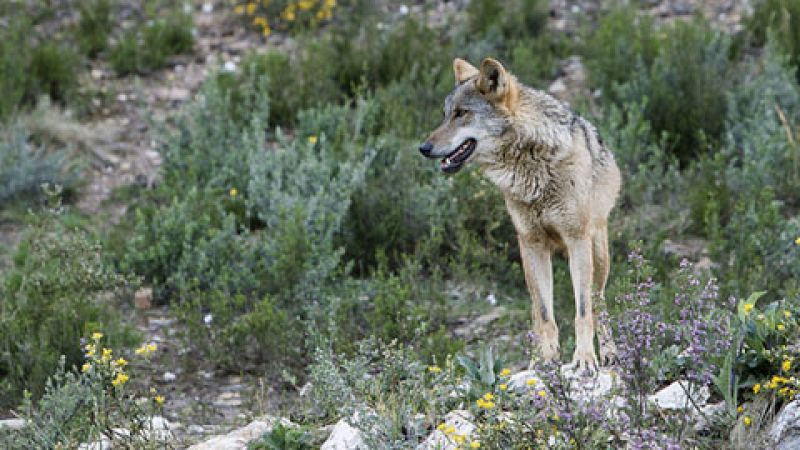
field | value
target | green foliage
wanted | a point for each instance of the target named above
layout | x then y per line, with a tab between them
25	169
779	19
79	407
94	27
53	71
482	375
689	61
511	20
284	438
28	71
51	299
147	47
15	57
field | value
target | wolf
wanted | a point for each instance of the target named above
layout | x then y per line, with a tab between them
559	183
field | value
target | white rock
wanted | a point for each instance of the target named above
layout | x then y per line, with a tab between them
102	444
239	438
158	428
785	429
13	424
344	437
491	299
519	381
461	421
589	388
709	415
208	7
229	66
674	396
169	377
195	429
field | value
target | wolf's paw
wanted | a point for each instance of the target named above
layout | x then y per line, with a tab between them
583	363
608	353
549	350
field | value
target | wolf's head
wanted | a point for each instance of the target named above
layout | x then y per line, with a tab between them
476	116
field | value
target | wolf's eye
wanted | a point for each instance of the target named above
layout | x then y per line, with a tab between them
459	113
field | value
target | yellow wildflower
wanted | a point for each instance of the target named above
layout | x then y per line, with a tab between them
434	369
266	31
787	314
107	354
756	388
505	372
233	192
740	409
239	9
260	22
441	426
332	3
289	13
450	430
748	307
312	140
97	335
797	241
159	399
121	362
503	386
488	396
530	381
120	379
786	365
305	5
542	394
251	8
781	327
747	421
475	444
141	350
85	367
324	14
459	438
151	347
90	349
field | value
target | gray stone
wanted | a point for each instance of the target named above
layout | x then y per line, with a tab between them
461	423
674	396
344	437
13	424
239	438
785	429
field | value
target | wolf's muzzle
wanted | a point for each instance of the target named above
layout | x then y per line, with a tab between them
426	149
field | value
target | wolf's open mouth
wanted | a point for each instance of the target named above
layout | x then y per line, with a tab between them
453	162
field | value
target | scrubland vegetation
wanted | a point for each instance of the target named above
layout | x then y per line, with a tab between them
296	233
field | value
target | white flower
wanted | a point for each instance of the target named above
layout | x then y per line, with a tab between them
207	319
229	66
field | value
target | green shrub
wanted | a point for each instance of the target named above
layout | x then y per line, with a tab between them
24	169
146	48
511	20
622	43
781	20
94	27
284	438
78	407
15	48
53	71
52	299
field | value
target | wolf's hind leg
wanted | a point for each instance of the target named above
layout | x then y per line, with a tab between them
601	263
538	269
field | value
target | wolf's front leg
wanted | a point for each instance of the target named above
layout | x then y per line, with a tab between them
580	270
539	277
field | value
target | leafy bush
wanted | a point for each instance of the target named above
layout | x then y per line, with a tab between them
23	169
51	299
511	20
781	20
146	48
94	27
53	71
284	438
93	404
15	57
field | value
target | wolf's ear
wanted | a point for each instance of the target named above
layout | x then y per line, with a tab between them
494	82
463	70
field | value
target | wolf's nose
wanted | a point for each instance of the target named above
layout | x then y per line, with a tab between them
426	148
